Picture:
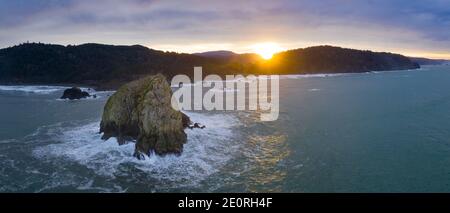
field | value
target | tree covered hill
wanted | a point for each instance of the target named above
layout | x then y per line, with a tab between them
90	63
109	66
329	59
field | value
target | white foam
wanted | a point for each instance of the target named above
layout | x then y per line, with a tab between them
8	141
89	185
326	75
92	91
206	151
33	89
294	76
222	81
45	90
312	75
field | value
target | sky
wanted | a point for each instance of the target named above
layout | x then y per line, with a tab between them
410	27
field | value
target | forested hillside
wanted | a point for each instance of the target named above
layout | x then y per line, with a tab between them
109	66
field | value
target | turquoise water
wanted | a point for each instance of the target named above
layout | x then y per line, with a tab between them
370	132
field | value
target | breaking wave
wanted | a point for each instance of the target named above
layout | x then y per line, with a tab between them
46	90
206	151
33	89
312	75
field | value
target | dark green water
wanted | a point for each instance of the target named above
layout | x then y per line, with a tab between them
374	132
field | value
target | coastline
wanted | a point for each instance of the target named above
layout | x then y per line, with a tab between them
68	85
114	85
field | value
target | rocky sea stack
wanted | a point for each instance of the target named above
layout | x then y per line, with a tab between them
74	93
141	110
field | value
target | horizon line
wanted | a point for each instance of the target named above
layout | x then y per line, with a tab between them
433	56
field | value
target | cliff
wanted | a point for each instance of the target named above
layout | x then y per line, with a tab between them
141	110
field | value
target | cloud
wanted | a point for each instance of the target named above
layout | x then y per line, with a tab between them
395	25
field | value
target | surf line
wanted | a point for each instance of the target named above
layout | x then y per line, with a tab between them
260	97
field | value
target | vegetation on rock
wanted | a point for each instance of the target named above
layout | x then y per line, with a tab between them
141	110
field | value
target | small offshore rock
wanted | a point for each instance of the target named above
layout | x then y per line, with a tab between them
196	126
74	93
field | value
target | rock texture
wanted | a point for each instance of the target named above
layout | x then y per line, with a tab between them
74	93
141	110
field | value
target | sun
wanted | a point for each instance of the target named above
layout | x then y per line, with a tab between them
266	50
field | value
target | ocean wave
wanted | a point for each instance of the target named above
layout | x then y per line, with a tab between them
206	151
326	75
89	185
92	91
259	77
6	141
45	90
312	75
33	89
223	81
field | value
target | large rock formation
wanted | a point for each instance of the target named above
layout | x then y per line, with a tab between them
141	110
74	93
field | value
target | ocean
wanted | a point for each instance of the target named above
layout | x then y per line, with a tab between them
362	132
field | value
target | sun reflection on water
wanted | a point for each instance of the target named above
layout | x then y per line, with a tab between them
267	156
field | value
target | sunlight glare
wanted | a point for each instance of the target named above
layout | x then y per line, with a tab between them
266	50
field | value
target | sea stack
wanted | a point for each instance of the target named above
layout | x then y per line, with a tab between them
141	110
74	93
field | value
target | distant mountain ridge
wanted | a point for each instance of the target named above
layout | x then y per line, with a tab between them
217	54
231	56
427	61
109	66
